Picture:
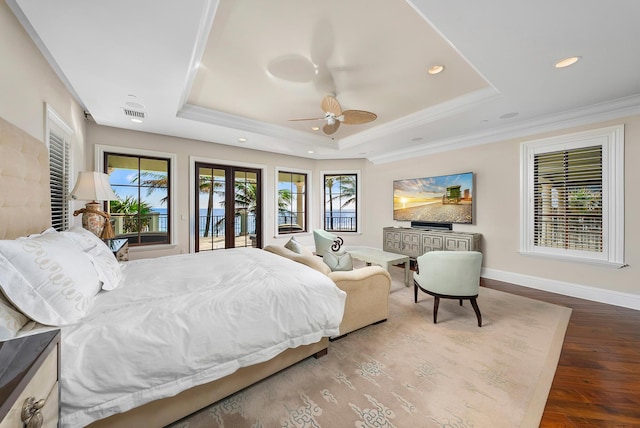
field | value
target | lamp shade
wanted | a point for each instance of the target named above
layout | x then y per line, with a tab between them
93	186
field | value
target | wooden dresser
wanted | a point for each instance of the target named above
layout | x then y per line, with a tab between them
415	242
29	388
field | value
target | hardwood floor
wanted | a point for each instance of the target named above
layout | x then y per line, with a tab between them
597	382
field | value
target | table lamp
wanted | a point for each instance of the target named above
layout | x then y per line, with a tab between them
94	187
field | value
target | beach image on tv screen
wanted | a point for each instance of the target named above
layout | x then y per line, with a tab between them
442	199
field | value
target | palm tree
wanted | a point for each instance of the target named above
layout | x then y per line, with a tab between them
348	189
153	181
328	182
284	202
135	213
246	196
347	193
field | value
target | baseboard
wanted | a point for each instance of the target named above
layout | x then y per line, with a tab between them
617	298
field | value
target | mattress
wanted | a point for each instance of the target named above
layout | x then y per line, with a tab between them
181	321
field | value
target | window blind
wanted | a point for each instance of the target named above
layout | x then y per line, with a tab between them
59	181
568	199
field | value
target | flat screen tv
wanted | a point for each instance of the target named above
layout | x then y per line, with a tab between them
443	199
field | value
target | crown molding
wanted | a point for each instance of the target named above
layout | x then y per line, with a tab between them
423	117
622	107
213	117
35	37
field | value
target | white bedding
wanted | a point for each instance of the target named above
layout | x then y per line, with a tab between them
180	321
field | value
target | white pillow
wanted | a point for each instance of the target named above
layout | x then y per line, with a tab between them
103	259
294	245
108	268
84	238
11	321
48	278
338	261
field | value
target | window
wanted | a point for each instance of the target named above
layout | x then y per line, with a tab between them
292	202
142	212
341	202
58	138
228	207
572	203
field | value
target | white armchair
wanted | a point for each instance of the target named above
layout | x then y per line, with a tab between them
326	241
449	275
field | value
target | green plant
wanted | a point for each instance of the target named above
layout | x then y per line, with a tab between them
136	215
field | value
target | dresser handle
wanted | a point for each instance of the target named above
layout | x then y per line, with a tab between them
31	416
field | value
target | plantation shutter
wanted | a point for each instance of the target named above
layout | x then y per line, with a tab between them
568	199
59	181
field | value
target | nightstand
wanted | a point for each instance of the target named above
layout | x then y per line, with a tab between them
29	388
120	248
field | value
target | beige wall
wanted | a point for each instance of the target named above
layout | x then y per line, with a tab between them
185	149
497	197
27	82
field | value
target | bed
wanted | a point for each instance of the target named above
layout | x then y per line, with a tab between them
148	342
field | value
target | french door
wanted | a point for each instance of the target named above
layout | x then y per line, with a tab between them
228	207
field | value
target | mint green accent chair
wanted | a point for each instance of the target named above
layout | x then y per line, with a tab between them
449	275
326	241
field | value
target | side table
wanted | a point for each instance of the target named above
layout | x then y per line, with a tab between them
29	388
119	247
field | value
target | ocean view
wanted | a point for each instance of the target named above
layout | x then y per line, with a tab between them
344	220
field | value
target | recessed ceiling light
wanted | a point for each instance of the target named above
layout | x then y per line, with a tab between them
315	128
567	62
436	69
310	151
135	120
242	140
509	115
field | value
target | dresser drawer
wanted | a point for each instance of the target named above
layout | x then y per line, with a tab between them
43	385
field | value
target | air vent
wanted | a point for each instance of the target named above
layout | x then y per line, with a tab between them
133	113
133	104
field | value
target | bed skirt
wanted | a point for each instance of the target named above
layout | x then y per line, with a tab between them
162	412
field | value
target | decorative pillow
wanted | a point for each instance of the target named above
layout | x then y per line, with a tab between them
338	261
11	321
106	264
294	245
48	278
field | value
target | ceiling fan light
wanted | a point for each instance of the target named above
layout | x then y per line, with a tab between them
331	120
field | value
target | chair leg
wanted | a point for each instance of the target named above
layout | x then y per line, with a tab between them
477	310
460	302
415	293
436	303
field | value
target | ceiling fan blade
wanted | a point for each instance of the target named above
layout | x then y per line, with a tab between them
311	118
322	47
293	68
331	128
331	105
357	117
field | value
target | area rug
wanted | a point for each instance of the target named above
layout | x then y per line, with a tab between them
409	372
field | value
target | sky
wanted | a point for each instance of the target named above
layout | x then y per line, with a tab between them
431	187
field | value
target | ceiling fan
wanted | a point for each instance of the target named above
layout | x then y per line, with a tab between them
334	115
